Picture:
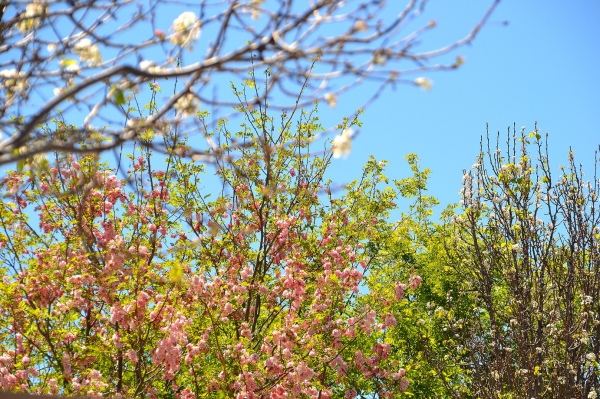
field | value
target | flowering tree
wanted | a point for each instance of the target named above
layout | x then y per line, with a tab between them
84	58
150	285
511	304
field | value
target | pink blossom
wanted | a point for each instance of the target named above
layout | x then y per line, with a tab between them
403	384
66	360
132	356
53	384
304	372
142	299
69	338
415	281
326	394
390	320
117	340
399	291
187	394
19	339
118	314
278	392
6	360
399	374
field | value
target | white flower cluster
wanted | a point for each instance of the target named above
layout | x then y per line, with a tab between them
13	81
30	19
186	29
254	6
342	144
187	105
88	52
424	83
587	300
331	99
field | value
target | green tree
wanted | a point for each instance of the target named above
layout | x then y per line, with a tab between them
416	247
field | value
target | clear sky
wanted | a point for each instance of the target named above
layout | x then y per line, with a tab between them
542	66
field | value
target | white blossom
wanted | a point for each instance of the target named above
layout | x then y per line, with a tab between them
13	81
331	99
587	300
187	105
424	83
31	18
585	340
254	8
146	65
88	52
342	144
360	25
73	68
69	65
186	28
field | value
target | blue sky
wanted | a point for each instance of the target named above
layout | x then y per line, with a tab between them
542	66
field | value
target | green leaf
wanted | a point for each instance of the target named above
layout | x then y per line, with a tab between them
147	135
119	97
176	273
21	165
67	62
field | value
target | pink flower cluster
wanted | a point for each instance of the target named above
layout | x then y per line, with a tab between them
169	350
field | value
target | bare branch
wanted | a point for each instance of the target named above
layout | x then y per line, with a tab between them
84	59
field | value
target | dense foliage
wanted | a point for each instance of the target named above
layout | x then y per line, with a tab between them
141	281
